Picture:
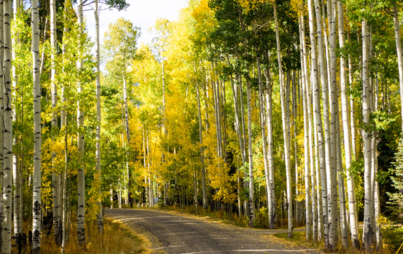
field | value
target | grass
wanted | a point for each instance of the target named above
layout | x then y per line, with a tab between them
116	239
299	238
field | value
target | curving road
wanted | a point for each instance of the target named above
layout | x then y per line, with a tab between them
171	233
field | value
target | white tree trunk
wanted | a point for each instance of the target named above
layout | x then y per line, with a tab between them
332	173
308	204
270	157
127	132
37	204
100	221
201	149
368	231
318	122
16	156
262	124
294	117
346	130
377	209
250	153
1	114
80	148
399	55
312	212
285	129
55	175
7	133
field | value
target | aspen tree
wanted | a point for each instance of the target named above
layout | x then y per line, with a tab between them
294	116
318	123
377	209
100	222
37	190
270	157
17	174
7	132
262	123
250	153
399	54
312	212
1	115
324	82
201	148
308	204
80	148
285	129
331	173
346	130
55	175
367	230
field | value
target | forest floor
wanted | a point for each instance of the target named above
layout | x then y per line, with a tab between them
116	239
174	232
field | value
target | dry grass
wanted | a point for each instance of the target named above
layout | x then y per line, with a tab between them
116	239
300	240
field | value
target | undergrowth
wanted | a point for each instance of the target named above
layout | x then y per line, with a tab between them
299	238
116	239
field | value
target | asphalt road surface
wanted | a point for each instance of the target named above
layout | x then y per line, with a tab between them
172	233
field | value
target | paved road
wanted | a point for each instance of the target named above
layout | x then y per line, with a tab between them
172	233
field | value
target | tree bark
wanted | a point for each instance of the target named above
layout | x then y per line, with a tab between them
100	221
308	205
80	148
55	175
37	190
270	157
368	231
285	129
201	148
262	124
399	55
318	123
346	130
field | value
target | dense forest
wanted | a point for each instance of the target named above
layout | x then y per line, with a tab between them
274	111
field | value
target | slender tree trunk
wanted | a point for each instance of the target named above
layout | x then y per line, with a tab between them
346	130
378	230
331	174
55	175
250	153
399	54
353	141
368	231
80	148
324	81
270	157
294	117
318	123
37	204
7	132
100	221
16	155
308	204
127	133
64	179
201	148
1	120
312	212
262	124
285	129
246	184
